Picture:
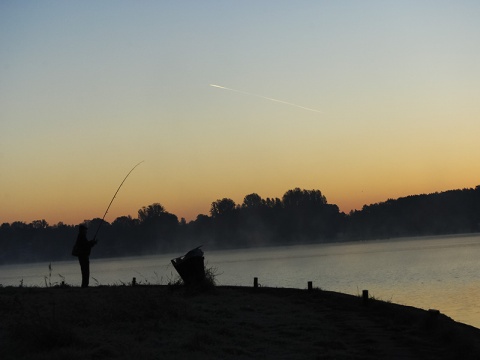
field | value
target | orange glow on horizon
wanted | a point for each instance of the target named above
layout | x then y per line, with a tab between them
183	208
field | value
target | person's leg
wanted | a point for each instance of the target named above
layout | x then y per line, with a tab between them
85	268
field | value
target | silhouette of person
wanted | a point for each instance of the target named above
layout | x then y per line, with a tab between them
82	249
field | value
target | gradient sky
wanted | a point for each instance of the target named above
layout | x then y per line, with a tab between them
90	88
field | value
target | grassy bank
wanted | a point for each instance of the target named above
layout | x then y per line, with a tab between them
162	322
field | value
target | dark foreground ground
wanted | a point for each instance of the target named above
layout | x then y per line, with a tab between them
161	322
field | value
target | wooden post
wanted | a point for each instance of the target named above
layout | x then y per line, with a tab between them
255	282
365	297
434	312
433	316
310	286
134	281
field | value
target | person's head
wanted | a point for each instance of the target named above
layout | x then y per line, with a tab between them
83	228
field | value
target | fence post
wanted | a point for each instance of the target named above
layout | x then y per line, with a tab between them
365	297
134	281
255	282
310	287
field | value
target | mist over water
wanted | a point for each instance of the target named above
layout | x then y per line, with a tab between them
439	273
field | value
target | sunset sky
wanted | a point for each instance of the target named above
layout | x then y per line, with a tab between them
90	88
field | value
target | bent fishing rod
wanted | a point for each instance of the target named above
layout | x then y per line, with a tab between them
114	196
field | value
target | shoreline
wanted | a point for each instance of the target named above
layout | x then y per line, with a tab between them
225	322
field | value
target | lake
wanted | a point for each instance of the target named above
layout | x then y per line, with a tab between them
440	273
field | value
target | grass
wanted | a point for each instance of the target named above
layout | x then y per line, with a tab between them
48	279
173	322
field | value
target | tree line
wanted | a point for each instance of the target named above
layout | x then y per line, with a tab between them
300	216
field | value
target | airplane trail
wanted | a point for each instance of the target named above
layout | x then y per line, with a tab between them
264	97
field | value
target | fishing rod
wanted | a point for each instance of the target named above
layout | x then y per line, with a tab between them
116	192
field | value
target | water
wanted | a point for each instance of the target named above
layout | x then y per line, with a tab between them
429	273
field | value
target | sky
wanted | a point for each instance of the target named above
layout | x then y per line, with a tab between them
362	100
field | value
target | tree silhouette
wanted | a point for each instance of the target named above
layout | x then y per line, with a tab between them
39	224
157	228
252	201
150	212
222	207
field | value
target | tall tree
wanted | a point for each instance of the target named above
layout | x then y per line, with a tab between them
222	207
252	201
150	211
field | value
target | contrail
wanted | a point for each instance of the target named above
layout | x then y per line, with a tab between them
264	97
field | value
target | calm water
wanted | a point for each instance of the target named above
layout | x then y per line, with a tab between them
429	273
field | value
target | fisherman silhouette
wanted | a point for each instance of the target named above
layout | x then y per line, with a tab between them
82	249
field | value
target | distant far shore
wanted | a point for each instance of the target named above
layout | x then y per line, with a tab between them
223	322
300	217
